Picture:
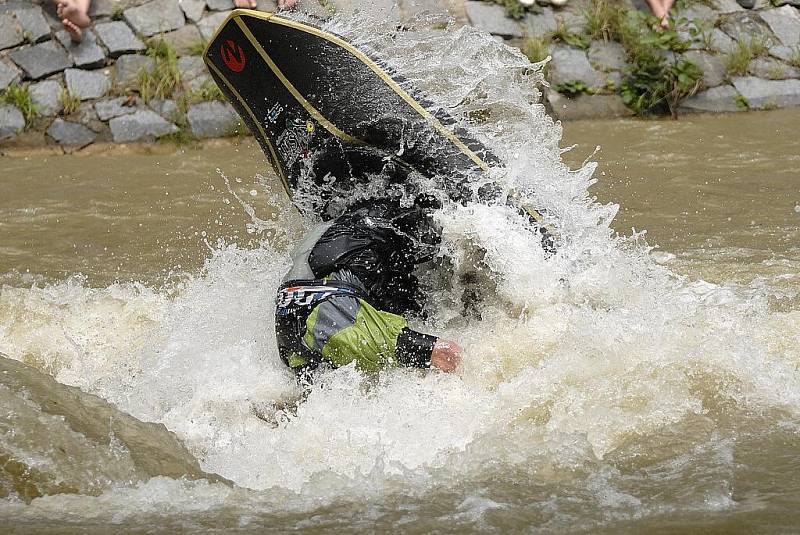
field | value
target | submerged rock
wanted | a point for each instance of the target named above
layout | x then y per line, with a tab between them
67	441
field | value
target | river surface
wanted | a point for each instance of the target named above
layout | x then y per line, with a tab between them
629	383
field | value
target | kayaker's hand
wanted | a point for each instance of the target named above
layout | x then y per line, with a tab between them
446	355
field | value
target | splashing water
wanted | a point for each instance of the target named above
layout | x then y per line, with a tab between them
598	388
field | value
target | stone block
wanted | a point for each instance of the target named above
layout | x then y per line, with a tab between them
722	98
154	17
784	23
220	5
573	21
127	69
166	108
746	27
47	96
11	122
101	8
572	65
726	6
209	24
698	12
198	83
10	31
191	67
762	94
541	24
587	106
118	38
721	41
492	18
184	40
771	69
713	66
193	9
784	53
86	54
41	60
9	74
416	10
70	134
143	125
34	25
115	107
780	3
87	85
212	119
607	55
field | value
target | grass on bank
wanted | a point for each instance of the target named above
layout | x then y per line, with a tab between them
737	60
164	78
69	102
20	96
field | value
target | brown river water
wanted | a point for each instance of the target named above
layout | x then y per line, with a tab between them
630	383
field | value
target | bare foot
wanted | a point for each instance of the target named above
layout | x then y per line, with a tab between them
287	4
665	22
245	4
74	32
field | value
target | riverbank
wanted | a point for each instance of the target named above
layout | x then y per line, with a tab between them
137	76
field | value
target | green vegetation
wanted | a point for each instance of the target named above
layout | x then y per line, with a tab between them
197	49
741	102
164	78
206	92
329	6
536	48
739	58
563	34
20	96
181	137
604	19
514	9
794	59
116	12
69	102
655	86
573	88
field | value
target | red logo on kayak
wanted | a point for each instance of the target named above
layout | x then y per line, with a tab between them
233	55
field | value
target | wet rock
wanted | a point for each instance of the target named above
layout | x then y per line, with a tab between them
726	6
212	119
47	96
316	9
698	12
9	74
10	31
762	94
384	10
184	40
779	3
541	24
118	38
721	41
607	56
81	443
70	134
784	23
86	54
209	24
127	70
573	21
193	9
34	25
115	107
713	66
717	99
155	17
87	84
143	125
492	18
168	109
191	67
219	5
772	69
41	60
572	65
414	10
11	121
747	27
101	8
784	53
587	106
